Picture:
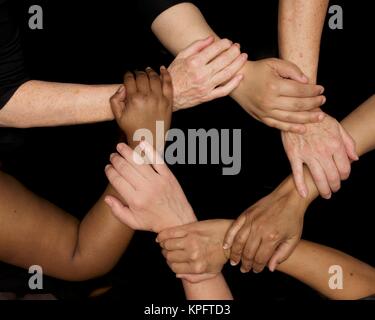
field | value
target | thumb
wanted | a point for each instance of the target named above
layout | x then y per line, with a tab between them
121	212
118	102
289	70
196	47
282	253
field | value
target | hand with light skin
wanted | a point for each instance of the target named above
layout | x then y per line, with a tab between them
206	70
277	93
327	150
137	181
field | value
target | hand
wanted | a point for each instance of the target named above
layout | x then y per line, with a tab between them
142	101
154	196
269	229
195	249
327	149
206	71
276	93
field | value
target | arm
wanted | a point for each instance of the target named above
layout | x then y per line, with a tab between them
43	104
264	92
300	29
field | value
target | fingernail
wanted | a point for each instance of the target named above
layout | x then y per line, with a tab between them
243	270
148	68
120	147
107	167
304	194
233	263
108	201
328	197
324	100
226	246
111	156
322	90
163	68
157	240
256	272
237	45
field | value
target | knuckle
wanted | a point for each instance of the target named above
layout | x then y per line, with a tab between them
193	62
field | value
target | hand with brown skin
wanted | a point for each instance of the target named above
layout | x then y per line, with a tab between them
143	99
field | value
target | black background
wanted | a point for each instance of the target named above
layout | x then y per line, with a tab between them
92	43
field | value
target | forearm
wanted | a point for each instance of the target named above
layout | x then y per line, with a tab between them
43	104
300	30
310	263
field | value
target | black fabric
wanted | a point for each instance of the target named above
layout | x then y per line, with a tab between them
12	70
152	8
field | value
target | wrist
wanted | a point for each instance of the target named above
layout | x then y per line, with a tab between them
240	91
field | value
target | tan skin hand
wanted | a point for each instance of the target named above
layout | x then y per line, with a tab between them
205	71
271	227
327	150
195	249
276	93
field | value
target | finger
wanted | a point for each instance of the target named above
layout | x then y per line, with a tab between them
249	251
239	244
167	84
289	70
142	81
291	88
174	244
332	173
156	161
299	116
282	253
127	171
121	212
118	102
320	179
299	177
129	83
182	268
175	256
342	163
350	145
263	255
196	47
230	71
196	278
211	52
285	126
135	160
154	79
300	104
226	89
233	230
172	233
225	59
119	184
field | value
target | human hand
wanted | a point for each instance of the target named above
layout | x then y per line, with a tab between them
155	200
269	231
142	101
277	93
195	251
327	149
205	71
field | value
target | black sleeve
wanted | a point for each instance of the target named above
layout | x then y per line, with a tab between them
12	70
152	8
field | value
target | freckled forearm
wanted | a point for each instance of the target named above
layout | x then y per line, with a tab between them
43	104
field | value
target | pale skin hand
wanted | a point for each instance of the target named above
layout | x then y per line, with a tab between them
205	71
327	150
154	211
183	24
